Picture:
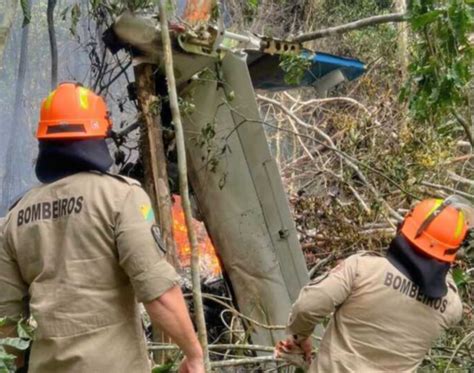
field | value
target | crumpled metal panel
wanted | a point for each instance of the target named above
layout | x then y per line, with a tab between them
242	201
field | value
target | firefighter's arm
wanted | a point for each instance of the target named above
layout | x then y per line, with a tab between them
154	280
13	298
321	297
140	254
170	314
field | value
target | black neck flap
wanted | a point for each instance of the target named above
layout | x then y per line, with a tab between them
428	273
58	159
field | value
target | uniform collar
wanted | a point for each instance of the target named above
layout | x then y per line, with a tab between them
59	159
428	273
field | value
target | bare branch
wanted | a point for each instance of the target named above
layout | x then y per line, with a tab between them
361	23
350	161
465	126
447	189
250	360
183	183
52	43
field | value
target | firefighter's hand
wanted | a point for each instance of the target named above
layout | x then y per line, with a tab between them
298	352
192	366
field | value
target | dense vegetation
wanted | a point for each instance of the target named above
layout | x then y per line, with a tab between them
352	163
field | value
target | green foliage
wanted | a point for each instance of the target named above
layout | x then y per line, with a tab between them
22	342
253	4
74	12
26	9
75	16
7	361
295	67
164	368
441	68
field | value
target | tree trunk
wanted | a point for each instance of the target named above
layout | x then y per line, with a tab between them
18	153
52	43
183	185
154	159
156	175
7	16
403	57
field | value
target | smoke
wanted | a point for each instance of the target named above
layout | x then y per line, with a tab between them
79	56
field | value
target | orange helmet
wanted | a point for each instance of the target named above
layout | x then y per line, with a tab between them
72	112
438	227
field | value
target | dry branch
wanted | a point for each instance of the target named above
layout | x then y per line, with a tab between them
183	184
361	23
250	360
173	347
350	161
52	43
447	189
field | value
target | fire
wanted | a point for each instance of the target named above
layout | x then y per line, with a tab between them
197	11
210	266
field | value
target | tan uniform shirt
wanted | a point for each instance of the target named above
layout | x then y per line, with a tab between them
381	321
82	250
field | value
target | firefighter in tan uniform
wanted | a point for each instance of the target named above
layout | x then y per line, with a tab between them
81	250
387	311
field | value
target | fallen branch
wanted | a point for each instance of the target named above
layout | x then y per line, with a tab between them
361	23
241	315
464	340
250	360
447	189
460	179
349	100
173	347
462	158
465	125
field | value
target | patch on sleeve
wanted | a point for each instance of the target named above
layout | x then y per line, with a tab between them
156	232
318	279
147	213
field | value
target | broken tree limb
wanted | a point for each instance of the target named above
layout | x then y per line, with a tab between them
250	360
154	158
447	189
465	125
183	184
342	29
172	347
154	164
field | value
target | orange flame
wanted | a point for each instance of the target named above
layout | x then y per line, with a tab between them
210	266
198	11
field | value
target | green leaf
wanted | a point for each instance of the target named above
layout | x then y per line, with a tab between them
459	277
165	368
421	21
24	330
25	7
7	361
75	16
18	343
253	4
95	4
64	13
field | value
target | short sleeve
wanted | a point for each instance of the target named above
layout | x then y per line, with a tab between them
13	290
139	254
321	297
455	308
